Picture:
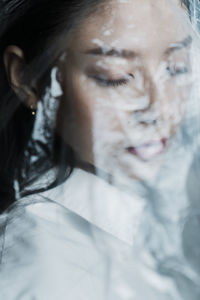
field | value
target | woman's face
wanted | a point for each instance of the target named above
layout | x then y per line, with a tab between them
126	81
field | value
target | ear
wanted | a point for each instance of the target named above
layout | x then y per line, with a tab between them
15	65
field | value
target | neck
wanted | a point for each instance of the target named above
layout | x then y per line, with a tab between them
130	186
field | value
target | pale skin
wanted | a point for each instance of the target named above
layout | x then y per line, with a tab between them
125	82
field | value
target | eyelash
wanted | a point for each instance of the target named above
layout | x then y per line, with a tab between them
112	82
177	71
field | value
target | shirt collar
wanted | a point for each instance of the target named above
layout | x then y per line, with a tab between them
100	203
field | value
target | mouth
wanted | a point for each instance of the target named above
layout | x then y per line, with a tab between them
148	150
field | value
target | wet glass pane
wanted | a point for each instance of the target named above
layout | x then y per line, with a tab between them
99	149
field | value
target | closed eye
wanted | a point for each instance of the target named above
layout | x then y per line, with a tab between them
175	71
113	82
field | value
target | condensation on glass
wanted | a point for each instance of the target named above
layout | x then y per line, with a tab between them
123	98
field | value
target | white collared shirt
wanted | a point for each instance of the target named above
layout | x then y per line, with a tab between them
100	203
77	242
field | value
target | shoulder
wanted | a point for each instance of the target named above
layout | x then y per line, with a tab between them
43	246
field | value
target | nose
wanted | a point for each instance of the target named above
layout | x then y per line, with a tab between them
146	117
157	108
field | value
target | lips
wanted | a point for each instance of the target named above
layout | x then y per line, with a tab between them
148	150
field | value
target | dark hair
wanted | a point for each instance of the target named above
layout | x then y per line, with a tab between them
32	25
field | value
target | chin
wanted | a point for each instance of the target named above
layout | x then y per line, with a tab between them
124	168
136	169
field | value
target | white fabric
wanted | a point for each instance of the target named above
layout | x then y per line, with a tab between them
100	203
49	252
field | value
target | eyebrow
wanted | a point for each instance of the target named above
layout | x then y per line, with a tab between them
108	51
111	52
179	45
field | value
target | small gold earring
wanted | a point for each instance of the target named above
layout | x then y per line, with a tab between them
33	110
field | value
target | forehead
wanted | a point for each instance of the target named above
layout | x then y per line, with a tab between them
134	24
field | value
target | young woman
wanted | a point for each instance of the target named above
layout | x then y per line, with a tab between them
93	95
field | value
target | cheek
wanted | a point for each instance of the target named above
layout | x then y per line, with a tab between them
85	119
76	120
175	101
